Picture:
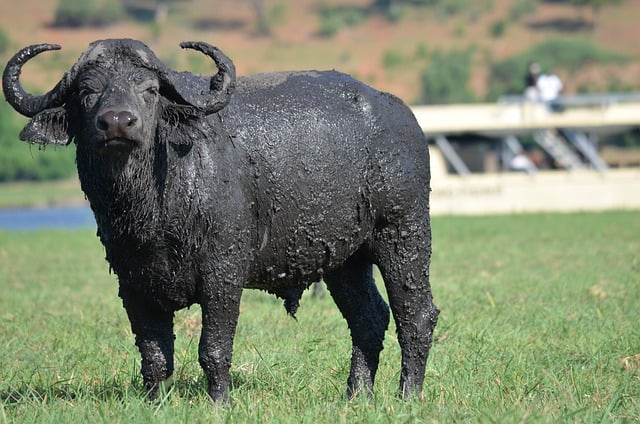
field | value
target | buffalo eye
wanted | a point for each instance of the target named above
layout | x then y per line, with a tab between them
88	98
149	90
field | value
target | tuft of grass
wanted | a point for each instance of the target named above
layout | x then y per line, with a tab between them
538	324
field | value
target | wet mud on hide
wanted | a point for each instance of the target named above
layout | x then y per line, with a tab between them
203	186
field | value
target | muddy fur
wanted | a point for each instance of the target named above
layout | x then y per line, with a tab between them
203	186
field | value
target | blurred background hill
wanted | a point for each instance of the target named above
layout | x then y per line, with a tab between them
424	51
593	45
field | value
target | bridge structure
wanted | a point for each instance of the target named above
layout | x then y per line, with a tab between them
560	134
569	136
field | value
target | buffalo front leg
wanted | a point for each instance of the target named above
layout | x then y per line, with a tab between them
403	255
219	319
353	289
153	329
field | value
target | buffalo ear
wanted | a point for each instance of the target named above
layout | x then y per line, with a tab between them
180	124
51	126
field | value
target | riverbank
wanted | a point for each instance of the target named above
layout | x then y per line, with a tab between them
479	194
41	194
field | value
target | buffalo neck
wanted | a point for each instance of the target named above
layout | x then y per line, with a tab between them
156	192
124	190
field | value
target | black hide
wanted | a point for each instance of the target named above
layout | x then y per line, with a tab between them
293	178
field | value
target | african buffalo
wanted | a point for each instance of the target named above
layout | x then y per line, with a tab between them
202	186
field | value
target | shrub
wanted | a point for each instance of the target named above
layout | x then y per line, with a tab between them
271	18
422	51
507	76
395	10
453	7
112	11
498	28
574	53
333	19
446	79
77	13
392	59
4	41
521	8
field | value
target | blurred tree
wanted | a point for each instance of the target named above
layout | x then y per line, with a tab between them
390	7
77	13
446	79
521	8
266	17
334	18
261	17
150	10
390	4
394	10
4	41
595	6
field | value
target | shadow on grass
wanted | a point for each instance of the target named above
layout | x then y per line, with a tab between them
34	394
112	391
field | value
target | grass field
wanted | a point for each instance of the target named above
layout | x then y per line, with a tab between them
540	323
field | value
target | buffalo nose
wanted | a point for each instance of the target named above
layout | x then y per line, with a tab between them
117	124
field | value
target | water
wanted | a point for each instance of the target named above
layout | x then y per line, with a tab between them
43	218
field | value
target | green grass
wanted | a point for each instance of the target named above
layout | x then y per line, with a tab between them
538	315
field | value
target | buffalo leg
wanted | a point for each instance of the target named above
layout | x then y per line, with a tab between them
219	319
354	292
153	329
403	255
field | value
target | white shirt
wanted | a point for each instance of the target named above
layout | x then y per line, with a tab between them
549	87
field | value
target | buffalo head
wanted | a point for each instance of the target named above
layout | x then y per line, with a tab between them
116	96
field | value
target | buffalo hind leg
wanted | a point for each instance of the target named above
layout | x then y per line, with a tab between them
353	289
403	256
153	329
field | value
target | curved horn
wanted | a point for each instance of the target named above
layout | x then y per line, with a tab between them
25	103
220	87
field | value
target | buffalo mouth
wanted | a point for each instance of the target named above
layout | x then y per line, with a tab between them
118	144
